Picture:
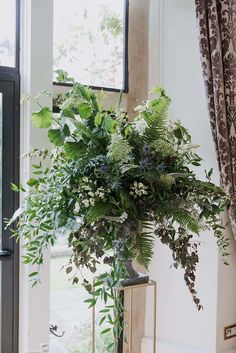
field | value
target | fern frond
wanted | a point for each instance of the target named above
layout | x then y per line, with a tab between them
98	211
143	248
156	118
183	218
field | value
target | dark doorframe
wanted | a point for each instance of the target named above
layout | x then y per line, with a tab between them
9	251
9	255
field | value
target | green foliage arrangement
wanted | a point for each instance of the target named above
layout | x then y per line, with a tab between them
111	180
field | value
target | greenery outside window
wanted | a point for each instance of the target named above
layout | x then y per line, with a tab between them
91	44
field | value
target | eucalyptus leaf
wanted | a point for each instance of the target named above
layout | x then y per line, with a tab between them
75	150
84	110
43	118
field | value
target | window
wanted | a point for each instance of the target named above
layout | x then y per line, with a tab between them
9	172
9	107
8	33
68	311
90	42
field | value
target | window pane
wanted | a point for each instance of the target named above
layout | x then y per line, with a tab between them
68	311
89	41
7	32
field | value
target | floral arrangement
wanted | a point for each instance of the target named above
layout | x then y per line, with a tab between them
111	179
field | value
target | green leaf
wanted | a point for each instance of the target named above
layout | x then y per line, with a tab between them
111	345
15	187
105	331
75	150
98	283
102	320
32	182
66	130
57	136
33	274
109	124
42	119
69	269
98	119
68	113
104	311
37	166
84	110
90	300
63	76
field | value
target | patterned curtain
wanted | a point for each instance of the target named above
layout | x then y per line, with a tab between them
217	37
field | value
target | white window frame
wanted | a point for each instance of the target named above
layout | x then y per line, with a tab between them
36	75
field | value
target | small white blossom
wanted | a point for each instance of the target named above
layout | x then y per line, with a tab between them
123	217
86	188
92	201
86	203
188	148
100	193
138	189
140	126
91	194
77	207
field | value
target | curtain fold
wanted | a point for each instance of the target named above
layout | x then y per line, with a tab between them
217	39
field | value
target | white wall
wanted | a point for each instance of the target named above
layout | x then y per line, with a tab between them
175	64
226	308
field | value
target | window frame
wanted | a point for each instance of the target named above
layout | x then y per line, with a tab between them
125	88
15	69
10	201
10	83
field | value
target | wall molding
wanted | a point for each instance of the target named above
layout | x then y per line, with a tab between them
171	347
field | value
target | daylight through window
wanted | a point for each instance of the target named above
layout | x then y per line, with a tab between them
89	42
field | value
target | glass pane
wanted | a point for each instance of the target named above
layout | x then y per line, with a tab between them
89	41
68	311
7	32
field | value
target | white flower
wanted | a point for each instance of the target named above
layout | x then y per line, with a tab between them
138	189
91	193
86	203
140	126
119	149
188	147
92	201
86	188
123	217
77	207
100	193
